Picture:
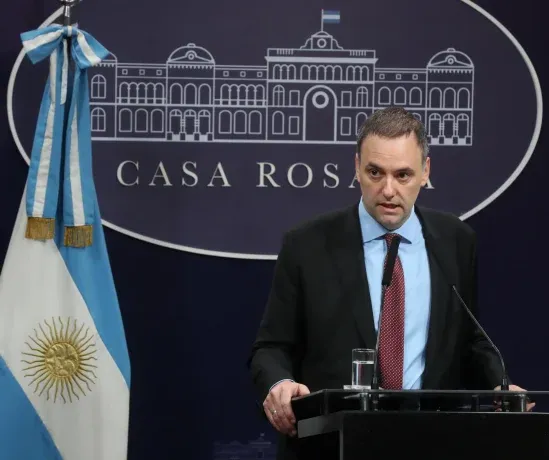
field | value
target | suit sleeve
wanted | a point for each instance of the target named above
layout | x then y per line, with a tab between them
485	367
277	346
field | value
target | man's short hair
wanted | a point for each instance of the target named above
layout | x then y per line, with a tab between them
391	123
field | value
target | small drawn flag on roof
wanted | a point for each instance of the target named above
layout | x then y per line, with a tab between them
330	17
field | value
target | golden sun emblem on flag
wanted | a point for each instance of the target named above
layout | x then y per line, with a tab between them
60	360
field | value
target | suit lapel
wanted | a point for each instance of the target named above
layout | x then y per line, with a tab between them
346	248
437	245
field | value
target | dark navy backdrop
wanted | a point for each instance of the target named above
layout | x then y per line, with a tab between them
190	319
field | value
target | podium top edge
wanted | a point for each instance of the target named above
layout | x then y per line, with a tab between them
454	393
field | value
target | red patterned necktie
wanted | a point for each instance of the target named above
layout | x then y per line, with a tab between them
391	342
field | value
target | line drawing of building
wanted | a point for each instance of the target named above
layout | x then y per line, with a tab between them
318	93
260	448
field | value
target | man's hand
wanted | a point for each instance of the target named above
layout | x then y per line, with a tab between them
278	408
529	406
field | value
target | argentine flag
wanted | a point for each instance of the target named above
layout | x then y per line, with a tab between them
64	365
330	17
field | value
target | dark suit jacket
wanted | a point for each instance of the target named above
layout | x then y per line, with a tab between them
319	308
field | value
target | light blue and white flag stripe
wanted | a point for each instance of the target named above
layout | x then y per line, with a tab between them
44	170
64	363
330	16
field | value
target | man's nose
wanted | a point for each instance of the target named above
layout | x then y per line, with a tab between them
388	188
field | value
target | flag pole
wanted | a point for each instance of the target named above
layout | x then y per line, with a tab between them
67	11
322	20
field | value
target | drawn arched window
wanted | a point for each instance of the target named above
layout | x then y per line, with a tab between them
351	73
278	95
463	98
329	72
314	73
233	91
415	96
449	123
240	119
204	94
225	94
357	73
305	72
260	95
362	97
251	91
98	87
133	93
463	125
190	94
125	122
277	72
435	98
284	72
190	122
255	122
175	121
449	98
338	72
417	115
225	122
98	120
278	123
124	92
242	96
434	125
360	119
141	121
142	93
204	121
151	93
291	72
157	121
400	96
176	94
321	75
159	93
384	95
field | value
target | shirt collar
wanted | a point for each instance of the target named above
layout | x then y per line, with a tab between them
371	229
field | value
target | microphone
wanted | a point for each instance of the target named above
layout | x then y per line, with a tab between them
451	281
392	254
504	379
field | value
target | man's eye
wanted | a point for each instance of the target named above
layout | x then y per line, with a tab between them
374	172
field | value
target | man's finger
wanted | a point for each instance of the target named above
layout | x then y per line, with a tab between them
273	420
277	411
302	390
270	411
285	402
285	410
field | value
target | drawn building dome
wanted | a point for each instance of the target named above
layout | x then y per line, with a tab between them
321	41
191	54
450	58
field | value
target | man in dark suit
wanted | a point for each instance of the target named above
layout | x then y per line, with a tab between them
326	292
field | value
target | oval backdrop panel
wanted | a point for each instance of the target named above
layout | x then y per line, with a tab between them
217	127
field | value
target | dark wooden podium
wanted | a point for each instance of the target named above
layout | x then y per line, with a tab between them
441	425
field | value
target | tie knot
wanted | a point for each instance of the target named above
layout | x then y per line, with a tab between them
389	238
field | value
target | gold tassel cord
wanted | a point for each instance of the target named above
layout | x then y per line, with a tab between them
40	228
78	237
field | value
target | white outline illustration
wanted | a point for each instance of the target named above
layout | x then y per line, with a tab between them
191	98
249	132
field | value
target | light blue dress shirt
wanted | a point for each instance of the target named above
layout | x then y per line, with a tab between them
417	280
